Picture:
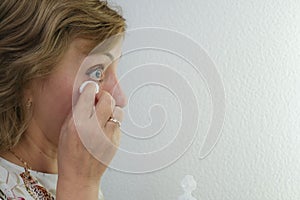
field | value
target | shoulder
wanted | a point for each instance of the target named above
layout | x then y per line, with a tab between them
11	185
9	175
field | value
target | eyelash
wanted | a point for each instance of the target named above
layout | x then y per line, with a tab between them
96	73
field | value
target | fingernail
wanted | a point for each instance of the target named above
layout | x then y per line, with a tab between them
85	84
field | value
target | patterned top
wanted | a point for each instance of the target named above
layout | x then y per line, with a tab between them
12	185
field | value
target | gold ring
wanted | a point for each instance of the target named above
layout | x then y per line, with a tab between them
111	119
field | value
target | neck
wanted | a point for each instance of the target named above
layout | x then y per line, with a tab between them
36	150
38	155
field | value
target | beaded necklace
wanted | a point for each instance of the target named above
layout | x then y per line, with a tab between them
36	190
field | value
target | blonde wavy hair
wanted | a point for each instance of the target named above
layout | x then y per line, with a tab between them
34	34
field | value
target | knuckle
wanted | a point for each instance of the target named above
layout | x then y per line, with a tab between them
71	125
106	103
107	98
118	113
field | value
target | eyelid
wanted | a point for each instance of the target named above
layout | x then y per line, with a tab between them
94	71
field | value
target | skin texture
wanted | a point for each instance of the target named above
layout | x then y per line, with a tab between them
52	142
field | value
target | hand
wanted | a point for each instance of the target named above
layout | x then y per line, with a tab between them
86	138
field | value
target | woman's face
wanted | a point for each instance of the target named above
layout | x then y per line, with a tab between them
52	97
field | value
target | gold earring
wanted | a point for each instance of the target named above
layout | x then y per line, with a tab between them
29	104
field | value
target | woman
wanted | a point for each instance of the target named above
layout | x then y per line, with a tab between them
44	45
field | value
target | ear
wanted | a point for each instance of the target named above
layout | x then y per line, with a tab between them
27	99
28	93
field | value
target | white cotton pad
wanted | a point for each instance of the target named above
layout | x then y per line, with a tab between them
85	84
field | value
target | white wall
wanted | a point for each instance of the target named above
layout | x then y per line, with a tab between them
255	45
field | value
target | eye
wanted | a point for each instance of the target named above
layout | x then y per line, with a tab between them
96	72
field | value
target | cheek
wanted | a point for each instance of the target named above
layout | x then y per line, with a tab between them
53	106
61	100
59	92
110	79
111	84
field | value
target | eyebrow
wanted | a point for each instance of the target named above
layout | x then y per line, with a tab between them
111	57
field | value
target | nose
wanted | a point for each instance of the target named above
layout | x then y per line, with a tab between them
111	85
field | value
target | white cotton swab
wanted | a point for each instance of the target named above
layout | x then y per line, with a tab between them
85	84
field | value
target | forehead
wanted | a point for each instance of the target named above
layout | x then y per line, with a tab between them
84	46
110	48
92	55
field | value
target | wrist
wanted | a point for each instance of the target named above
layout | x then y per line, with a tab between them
77	189
79	181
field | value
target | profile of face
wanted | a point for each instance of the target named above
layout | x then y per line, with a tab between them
53	96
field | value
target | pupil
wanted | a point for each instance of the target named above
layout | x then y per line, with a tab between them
98	74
